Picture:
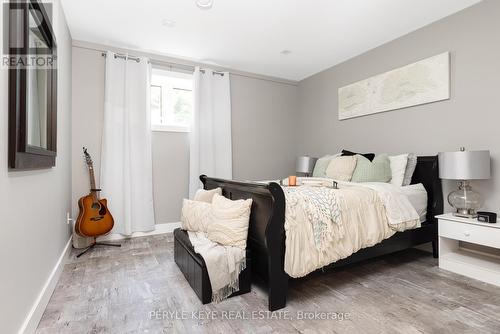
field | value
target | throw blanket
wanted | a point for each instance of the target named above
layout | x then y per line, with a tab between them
224	222
322	211
324	225
224	264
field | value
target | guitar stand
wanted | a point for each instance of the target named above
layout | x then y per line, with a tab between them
97	244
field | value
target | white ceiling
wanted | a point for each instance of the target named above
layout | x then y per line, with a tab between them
250	35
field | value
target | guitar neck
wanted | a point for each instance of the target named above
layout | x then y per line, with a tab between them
94	193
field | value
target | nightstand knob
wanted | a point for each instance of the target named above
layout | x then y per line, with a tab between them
467	234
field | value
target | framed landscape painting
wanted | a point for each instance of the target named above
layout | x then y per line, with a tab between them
422	82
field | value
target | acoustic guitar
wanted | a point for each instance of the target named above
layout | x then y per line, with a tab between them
94	218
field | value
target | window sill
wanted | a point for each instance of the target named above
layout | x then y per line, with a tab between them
169	128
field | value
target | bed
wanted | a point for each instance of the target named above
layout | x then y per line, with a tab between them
266	235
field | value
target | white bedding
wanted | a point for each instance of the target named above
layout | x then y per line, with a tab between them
417	195
369	213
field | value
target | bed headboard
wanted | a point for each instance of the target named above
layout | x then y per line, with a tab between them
427	173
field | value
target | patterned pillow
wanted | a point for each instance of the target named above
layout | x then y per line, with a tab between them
410	168
322	164
206	196
341	168
196	216
230	221
378	170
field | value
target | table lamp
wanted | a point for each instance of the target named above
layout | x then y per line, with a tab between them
305	165
464	166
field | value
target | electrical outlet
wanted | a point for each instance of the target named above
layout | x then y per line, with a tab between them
68	218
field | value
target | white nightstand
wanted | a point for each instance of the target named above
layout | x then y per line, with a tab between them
479	265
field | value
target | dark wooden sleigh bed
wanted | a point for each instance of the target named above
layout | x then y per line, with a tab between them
266	235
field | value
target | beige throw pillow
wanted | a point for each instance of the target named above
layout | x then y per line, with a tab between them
206	195
196	215
341	168
230	221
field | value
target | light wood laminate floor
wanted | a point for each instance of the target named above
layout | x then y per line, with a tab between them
133	289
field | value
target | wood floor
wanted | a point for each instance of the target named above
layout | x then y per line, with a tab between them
139	289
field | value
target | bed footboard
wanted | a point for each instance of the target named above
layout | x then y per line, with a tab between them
266	233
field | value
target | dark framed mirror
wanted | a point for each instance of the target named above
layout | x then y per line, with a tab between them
32	86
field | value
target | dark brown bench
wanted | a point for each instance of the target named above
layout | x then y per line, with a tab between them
194	268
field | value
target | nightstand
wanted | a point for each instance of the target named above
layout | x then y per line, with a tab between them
475	264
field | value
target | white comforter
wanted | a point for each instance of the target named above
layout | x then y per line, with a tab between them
369	213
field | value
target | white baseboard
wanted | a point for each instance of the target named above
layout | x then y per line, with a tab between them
31	322
161	228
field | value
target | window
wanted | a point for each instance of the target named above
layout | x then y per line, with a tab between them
171	101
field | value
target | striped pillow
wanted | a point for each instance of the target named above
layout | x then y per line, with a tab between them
410	168
378	170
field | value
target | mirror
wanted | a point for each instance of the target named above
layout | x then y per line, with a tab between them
32	86
37	81
37	108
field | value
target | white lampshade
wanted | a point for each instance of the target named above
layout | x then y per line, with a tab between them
305	165
464	165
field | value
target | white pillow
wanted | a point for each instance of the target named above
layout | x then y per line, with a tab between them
230	221
341	168
196	216
206	195
398	168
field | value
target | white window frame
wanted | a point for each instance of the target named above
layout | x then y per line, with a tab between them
170	127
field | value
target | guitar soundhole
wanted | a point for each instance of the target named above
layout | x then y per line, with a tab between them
101	208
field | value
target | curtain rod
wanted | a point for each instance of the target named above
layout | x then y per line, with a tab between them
123	56
160	63
191	68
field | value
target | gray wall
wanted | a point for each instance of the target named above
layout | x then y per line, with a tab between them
263	128
470	118
170	174
33	204
86	128
263	117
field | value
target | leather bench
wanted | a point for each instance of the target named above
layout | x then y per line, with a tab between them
194	268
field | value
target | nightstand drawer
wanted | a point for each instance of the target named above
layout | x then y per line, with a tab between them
483	235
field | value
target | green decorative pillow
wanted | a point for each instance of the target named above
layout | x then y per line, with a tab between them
322	164
378	170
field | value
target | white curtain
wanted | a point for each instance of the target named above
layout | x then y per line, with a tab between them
126	164
210	139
